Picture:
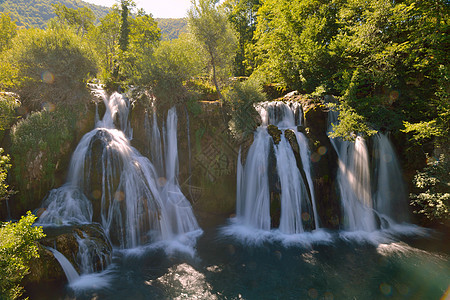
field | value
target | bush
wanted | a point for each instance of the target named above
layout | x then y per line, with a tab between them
50	66
4	167
17	248
433	183
40	145
241	99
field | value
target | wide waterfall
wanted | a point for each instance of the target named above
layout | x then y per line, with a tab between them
370	199
255	200
111	183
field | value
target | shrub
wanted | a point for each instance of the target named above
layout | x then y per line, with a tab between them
17	248
241	99
40	144
51	66
433	183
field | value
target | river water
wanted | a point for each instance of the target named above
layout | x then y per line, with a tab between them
230	262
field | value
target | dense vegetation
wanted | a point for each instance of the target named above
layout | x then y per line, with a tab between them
17	248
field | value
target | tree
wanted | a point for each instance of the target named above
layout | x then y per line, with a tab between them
293	41
242	15
82	18
17	248
176	62
51	66
8	30
209	25
105	37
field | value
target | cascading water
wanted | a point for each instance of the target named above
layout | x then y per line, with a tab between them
67	267
110	182
389	196
297	193
363	209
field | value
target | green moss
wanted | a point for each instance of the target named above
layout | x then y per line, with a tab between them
39	145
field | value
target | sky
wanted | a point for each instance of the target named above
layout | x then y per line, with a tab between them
158	8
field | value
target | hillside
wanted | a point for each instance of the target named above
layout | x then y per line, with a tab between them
36	13
172	28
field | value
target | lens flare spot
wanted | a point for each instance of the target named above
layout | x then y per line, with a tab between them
119	196
305	216
328	296
387	158
48	106
47	77
313	294
315	157
96	194
278	254
385	289
394	95
322	150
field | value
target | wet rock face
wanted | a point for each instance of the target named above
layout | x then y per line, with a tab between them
275	133
67	240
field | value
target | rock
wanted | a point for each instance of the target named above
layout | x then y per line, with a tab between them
275	133
66	239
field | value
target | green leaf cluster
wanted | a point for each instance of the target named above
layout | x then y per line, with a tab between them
17	248
433	184
241	98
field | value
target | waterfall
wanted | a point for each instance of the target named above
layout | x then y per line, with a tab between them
253	207
253	199
293	189
363	208
67	267
110	182
390	196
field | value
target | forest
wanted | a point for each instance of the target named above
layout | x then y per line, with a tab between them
385	63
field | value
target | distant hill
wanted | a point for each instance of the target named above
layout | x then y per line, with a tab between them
172	28
36	13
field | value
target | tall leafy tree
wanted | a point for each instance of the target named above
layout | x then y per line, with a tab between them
8	30
81	19
209	24
242	14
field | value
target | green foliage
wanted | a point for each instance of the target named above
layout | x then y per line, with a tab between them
17	248
210	27
293	40
172	29
433	184
241	99
175	63
38	12
39	144
8	104
242	16
5	192
126	49
8	30
350	123
81	19
50	66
